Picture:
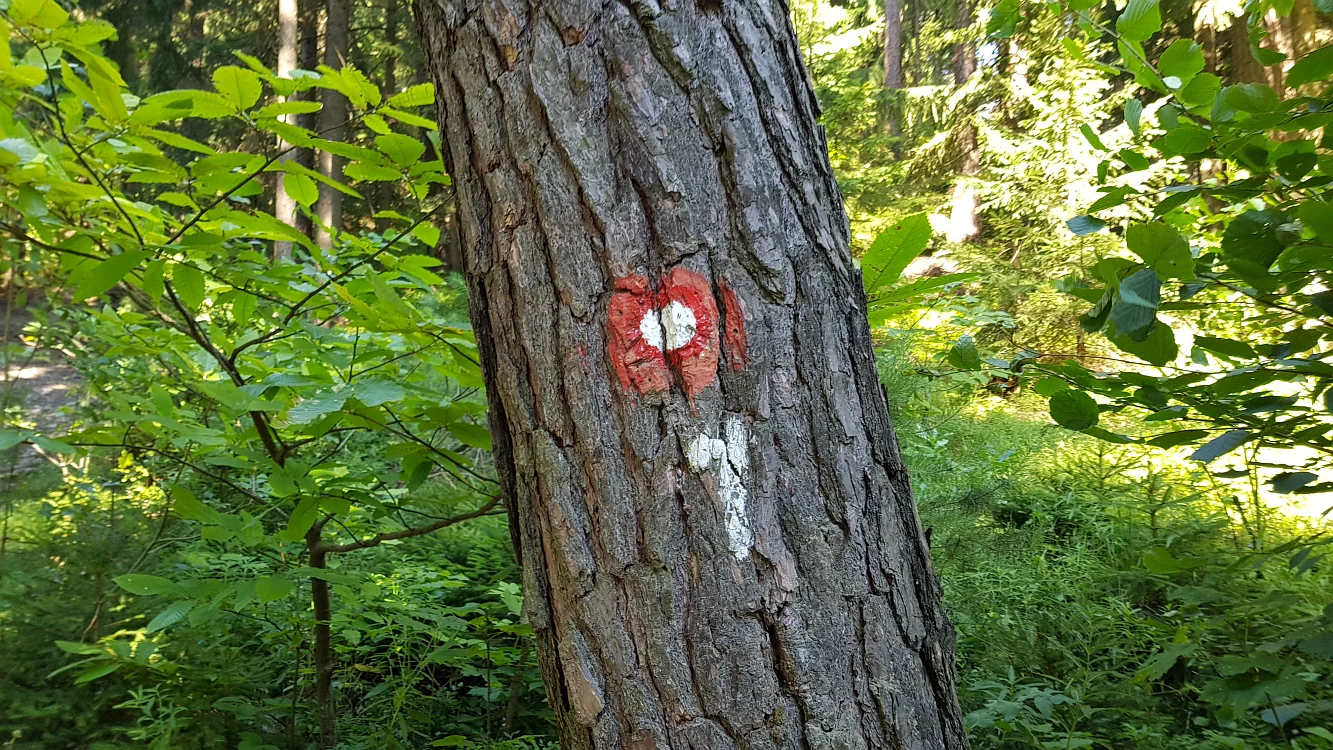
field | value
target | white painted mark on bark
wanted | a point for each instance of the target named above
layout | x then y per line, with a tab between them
679	325
674	326
651	329
729	458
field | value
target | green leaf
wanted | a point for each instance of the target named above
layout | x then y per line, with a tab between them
1221	445
1110	199
41	14
1225	347
1133	114
1141	19
1158	349
173	614
108	273
1159	560
893	250
289	107
272	588
407	118
429	234
963	355
1317	215
1252	97
471	434
1085	225
1156	667
1250	245
72	647
376	392
191	508
240	87
139	583
1162	248
401	149
189	284
371	172
1092	137
1289	481
1074	409
1314	67
414	96
1181	61
1136	301
96	673
300	188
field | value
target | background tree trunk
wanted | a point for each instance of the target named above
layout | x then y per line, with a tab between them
964	51
893	60
720	547
284	208
332	121
964	222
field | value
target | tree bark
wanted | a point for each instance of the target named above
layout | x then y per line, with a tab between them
964	52
332	122
893	59
719	542
964	223
323	611
284	208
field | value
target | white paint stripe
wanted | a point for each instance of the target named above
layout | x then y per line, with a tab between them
729	458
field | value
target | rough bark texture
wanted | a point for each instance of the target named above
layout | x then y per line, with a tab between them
964	52
332	121
893	44
739	569
893	60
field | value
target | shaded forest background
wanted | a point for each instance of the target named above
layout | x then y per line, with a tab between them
1112	585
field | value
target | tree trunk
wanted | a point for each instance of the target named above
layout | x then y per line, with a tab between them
964	52
332	122
964	224
284	208
917	77
719	541
323	611
893	59
391	42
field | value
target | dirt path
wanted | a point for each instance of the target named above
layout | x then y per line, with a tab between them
35	388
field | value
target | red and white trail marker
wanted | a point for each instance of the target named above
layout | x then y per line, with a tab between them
674	328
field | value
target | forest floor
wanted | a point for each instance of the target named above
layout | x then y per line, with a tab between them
35	387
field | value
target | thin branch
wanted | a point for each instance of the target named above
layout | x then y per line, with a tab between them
410	532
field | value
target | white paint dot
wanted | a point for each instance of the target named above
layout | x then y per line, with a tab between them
674	326
651	329
679	325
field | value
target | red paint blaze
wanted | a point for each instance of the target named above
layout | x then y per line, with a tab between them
642	366
639	364
735	341
696	361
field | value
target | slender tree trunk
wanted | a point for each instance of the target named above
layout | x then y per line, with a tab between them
308	59
893	60
964	52
964	223
719	541
323	611
916	43
284	208
391	41
332	122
